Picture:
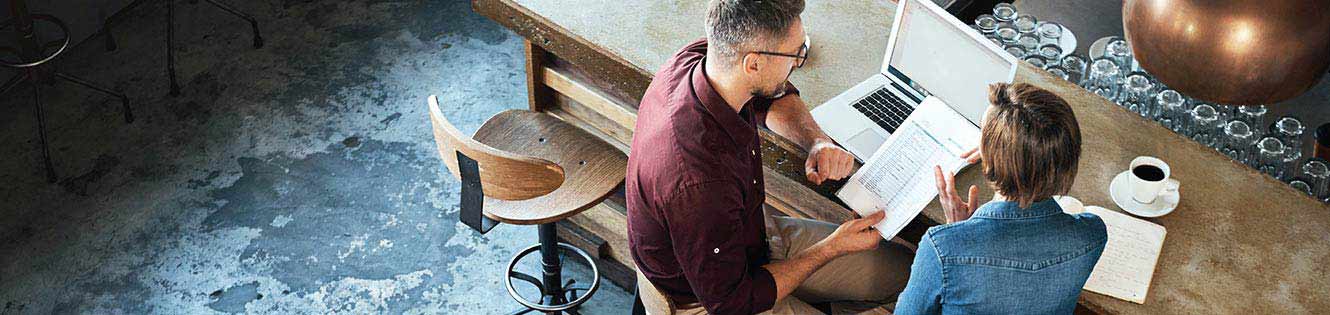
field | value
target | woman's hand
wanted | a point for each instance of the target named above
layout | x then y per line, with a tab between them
953	207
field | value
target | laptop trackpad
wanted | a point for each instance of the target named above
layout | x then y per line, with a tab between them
866	142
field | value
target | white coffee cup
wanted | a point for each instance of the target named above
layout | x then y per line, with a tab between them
1146	190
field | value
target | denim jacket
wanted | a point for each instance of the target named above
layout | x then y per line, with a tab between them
1005	260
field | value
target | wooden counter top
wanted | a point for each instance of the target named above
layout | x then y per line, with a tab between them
1240	242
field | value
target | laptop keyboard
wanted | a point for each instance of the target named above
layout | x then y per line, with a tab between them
884	108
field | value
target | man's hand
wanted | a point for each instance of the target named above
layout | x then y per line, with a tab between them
827	161
856	235
953	208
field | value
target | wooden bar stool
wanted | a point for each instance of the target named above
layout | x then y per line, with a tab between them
560	171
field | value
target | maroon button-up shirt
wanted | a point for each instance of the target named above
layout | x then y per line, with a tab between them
694	192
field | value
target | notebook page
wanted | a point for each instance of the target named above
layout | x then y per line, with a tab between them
1125	269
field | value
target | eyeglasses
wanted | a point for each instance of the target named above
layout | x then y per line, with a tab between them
800	57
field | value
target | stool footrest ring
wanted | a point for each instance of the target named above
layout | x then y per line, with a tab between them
554	290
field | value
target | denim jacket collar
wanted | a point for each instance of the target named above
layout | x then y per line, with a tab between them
1013	210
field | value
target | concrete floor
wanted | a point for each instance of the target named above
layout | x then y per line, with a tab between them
300	178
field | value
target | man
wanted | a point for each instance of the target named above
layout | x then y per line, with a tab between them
695	188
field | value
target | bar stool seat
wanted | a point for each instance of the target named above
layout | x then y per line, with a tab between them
529	168
591	168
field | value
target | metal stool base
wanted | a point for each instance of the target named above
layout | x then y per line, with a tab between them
556	296
170	33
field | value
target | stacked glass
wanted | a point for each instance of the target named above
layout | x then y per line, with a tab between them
1270	156
1050	33
1254	115
1205	125
1239	142
1173	110
1036	60
1289	131
1004	12
986	24
1105	78
1052	54
1119	51
1136	95
1318	176
1075	66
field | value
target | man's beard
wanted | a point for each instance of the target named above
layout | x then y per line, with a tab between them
773	93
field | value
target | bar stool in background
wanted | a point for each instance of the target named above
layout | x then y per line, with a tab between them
170	32
529	168
33	55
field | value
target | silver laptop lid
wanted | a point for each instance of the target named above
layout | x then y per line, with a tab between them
945	57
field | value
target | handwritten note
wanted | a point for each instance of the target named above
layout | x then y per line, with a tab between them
1125	269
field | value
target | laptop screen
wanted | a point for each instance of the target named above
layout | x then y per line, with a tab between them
948	59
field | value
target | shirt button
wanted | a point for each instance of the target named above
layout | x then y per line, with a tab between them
716	251
754	182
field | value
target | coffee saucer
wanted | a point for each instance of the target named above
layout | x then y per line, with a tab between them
1120	190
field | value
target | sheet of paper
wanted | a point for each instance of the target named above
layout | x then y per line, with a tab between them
898	178
1125	269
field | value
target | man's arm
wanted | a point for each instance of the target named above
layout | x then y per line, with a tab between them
789	117
852	236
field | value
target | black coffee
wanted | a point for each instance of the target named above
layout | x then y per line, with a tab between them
1149	173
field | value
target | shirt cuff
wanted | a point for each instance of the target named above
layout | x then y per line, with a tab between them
764	290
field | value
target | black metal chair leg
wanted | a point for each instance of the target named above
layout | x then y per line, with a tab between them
253	24
115	18
124	100
41	131
12	82
170	47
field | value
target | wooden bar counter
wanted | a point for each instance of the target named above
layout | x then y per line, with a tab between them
1239	242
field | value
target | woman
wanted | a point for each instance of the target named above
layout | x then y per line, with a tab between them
1017	254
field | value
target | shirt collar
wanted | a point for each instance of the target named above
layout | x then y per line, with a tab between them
1013	210
739	126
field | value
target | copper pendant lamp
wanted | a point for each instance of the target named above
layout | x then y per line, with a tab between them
1241	52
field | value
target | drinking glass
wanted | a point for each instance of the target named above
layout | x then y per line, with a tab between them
1174	110
1025	23
1254	115
986	24
1289	130
1270	155
1036	60
1204	125
1004	12
1318	176
1301	186
1007	35
1136	94
1120	52
1015	50
1050	33
1105	76
1075	66
1052	53
1239	142
1058	71
1028	40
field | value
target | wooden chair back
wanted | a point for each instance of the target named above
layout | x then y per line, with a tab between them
503	175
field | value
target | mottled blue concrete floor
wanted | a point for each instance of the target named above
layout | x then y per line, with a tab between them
300	178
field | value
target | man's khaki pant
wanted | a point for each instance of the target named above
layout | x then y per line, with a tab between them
871	277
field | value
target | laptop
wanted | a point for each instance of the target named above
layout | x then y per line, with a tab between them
929	52
923	108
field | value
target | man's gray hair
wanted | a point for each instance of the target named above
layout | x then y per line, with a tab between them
738	26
